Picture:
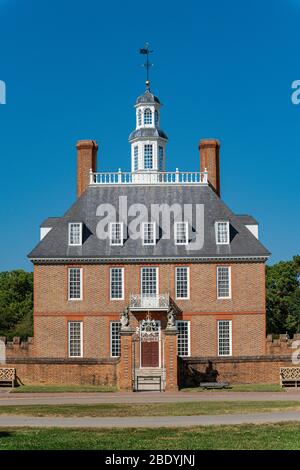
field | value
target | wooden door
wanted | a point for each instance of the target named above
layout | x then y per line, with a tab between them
150	353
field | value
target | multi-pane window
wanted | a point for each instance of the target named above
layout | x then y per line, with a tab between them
148	156
160	158
156	118
75	283
136	158
222	233
139	117
182	282
116	233
183	338
224	338
75	338
75	233
117	283
223	282
149	282
181	233
115	339
147	116
149	236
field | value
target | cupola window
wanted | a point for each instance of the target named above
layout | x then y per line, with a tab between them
147	116
148	157
139	117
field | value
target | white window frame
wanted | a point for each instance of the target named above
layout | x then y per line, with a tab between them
144	224
177	268
71	224
230	338
110	283
157	279
81	338
120	224
188	338
227	231
229	279
112	323
149	146
149	113
176	224
74	299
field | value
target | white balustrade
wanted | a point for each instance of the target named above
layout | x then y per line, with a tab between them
149	177
149	302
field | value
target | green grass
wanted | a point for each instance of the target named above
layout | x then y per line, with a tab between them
281	436
155	409
62	388
240	388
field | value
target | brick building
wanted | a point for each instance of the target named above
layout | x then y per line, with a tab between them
148	266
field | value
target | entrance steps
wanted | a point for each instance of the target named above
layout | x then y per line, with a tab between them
149	379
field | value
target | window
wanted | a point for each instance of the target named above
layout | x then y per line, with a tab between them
148	157
182	287
222	233
75	284
136	158
161	158
115	339
75	233
156	118
116	233
224	338
183	338
139	117
75	338
181	233
147	116
149	282
149	235
223	282
116	283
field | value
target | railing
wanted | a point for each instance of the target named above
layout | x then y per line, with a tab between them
149	302
149	177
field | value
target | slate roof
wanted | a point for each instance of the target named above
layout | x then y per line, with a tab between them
147	132
147	97
55	244
247	219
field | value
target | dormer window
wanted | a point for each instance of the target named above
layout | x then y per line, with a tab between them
147	116
149	233
181	233
75	233
222	233
116	233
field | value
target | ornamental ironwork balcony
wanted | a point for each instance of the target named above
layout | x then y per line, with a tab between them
149	177
149	302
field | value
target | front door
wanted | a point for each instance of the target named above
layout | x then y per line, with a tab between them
150	354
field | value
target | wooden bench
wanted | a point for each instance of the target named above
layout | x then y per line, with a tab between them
207	385
290	377
7	375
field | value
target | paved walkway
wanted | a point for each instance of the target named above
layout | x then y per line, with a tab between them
141	397
148	422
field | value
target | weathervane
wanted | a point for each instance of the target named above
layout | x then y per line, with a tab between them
146	51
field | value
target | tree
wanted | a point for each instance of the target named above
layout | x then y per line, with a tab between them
16	304
283	296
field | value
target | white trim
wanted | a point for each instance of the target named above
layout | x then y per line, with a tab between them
110	337
189	336
121	233
229	276
230	338
81	337
69	233
110	284
154	233
186	233
81	286
157	278
188	282
217	230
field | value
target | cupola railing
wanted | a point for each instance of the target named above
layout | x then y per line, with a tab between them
149	177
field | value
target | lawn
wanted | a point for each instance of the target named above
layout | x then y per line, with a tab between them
62	388
155	409
282	436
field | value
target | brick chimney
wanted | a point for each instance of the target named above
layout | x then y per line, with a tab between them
86	161
210	159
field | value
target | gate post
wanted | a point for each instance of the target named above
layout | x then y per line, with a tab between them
171	359
125	364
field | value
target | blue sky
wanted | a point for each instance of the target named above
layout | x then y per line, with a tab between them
222	69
